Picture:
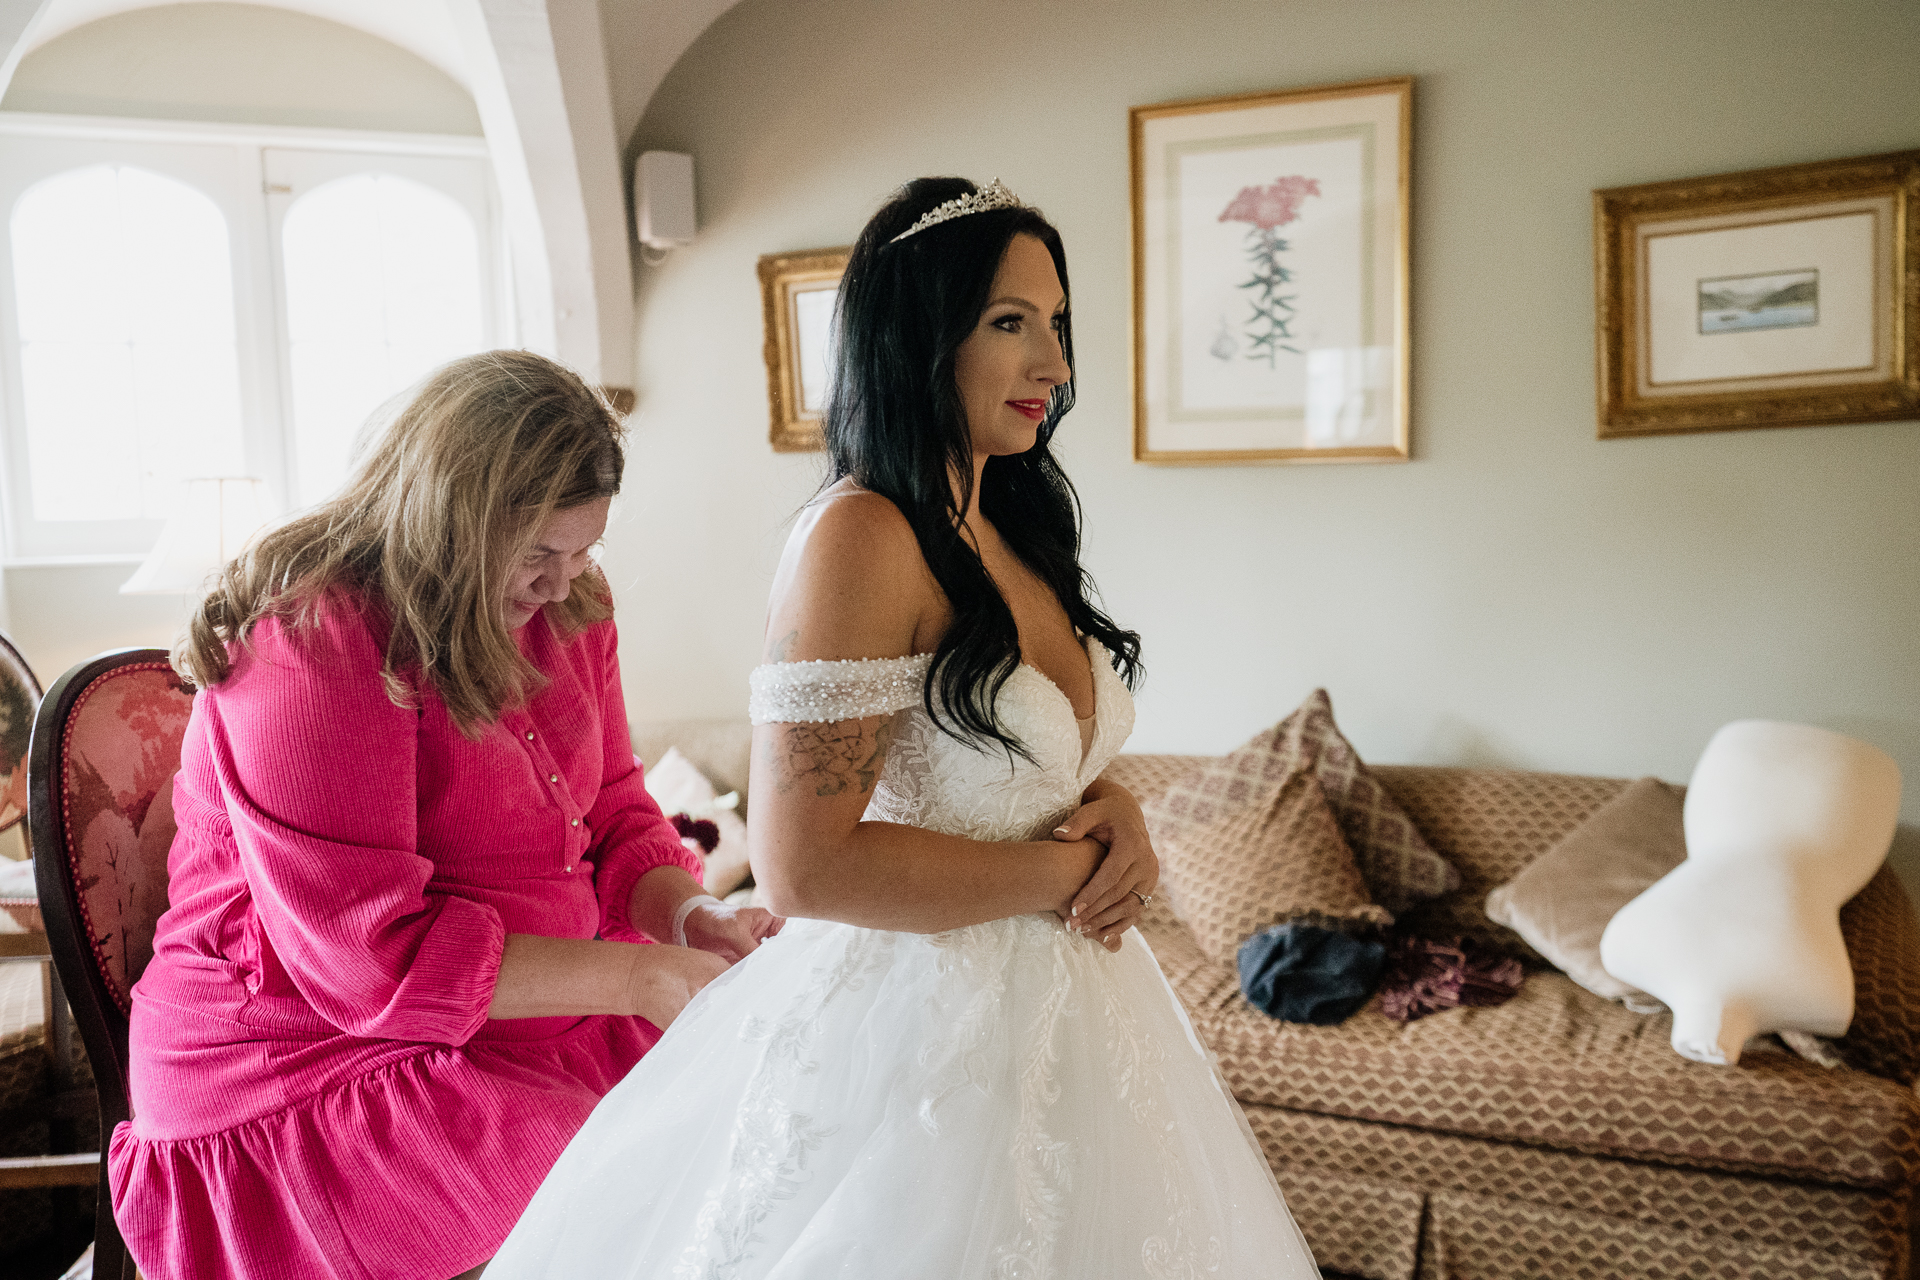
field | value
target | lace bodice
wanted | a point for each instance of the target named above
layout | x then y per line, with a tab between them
935	781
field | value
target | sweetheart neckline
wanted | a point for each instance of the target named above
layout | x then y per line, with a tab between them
1088	740
1093	679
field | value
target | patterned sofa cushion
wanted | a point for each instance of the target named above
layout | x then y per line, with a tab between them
1399	866
1279	862
1557	1067
1848	1221
1468	1237
1491	824
1883	941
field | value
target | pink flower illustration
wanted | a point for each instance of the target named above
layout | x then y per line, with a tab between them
1269	327
1271	206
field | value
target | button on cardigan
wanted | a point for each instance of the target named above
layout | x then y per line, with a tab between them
317	1090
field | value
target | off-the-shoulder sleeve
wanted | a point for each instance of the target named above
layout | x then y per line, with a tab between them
847	689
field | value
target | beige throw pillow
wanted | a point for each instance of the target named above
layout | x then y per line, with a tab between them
1396	862
1562	902
1281	862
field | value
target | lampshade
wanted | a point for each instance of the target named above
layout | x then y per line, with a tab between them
212	519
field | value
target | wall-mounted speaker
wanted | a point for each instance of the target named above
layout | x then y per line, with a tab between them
663	199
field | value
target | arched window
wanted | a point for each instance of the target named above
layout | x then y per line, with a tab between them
383	283
129	377
182	300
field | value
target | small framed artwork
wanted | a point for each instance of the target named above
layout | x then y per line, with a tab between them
1773	298
797	292
1270	237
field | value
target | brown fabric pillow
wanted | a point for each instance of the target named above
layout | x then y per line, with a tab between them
1562	902
1883	941
1281	862
1398	865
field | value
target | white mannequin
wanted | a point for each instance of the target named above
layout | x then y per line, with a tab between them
1784	823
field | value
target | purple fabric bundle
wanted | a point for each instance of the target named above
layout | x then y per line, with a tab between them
1425	975
703	830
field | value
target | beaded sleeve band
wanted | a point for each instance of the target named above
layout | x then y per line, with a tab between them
992	196
848	689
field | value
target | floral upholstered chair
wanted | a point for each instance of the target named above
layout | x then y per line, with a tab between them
105	748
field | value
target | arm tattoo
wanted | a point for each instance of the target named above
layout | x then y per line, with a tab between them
830	759
777	650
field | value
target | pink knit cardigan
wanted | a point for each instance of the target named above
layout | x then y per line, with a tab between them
317	1089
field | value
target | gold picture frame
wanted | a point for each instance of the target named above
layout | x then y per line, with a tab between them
1253	347
798	335
1772	298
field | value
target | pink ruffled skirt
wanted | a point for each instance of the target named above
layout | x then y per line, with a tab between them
406	1162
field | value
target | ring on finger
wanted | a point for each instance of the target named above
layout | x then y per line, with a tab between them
1146	899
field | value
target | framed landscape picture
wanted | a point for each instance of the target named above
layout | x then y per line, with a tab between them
797	293
1773	298
1270	237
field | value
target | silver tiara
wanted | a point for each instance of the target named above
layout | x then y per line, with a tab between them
992	196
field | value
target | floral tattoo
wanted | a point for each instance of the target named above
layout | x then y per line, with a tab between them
831	759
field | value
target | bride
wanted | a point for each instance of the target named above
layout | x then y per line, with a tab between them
957	1060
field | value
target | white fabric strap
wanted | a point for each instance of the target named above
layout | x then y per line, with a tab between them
686	909
831	691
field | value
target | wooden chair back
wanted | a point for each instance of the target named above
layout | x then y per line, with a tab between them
106	745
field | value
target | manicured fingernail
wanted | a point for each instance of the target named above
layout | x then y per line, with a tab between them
1076	908
1059	831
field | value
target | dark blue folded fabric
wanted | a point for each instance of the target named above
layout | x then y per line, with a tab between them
1304	973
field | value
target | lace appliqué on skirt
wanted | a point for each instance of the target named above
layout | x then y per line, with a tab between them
770	1141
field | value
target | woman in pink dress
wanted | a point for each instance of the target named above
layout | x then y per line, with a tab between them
414	857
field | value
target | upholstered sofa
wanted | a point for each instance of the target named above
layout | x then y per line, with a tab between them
1558	1134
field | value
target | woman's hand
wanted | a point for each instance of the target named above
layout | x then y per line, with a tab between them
661	980
732	933
1110	902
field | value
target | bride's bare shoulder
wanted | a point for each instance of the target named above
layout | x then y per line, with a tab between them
851	583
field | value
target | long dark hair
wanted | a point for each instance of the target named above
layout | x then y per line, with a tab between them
895	425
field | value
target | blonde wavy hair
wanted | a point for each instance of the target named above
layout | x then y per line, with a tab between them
446	501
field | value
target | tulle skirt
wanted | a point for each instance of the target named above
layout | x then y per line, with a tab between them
1006	1101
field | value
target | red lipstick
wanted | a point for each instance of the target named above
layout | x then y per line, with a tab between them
1033	409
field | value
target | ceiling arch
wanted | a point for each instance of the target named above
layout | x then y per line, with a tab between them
421	27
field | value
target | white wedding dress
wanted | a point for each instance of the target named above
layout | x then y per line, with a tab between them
1006	1101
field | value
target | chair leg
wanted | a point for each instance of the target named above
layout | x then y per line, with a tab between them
65	1127
59	1030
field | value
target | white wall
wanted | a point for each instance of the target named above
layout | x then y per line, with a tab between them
1521	593
59	616
239	62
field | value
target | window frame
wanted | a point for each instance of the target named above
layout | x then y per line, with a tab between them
254	211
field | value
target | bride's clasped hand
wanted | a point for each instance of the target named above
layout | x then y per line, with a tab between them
1112	899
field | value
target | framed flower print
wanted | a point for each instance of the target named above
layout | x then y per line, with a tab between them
1270	289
